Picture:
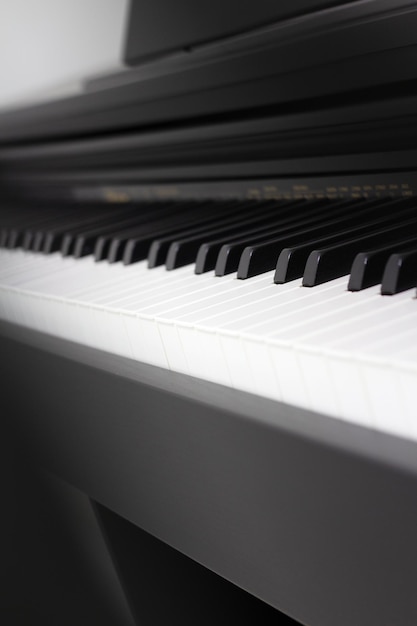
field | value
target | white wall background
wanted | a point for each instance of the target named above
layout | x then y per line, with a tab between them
47	46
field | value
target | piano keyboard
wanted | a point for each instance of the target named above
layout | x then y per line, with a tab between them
339	349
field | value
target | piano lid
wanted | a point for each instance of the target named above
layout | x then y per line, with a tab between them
333	56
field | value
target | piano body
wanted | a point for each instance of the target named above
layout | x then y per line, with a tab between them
263	430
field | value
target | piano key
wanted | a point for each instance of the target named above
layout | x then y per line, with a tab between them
230	253
348	336
368	267
263	257
211	314
85	218
111	246
375	353
3	237
138	244
65	238
181	247
336	260
32	235
15	220
85	240
310	358
242	310
156	247
104	220
23	222
184	251
292	261
205	254
400	272
55	217
282	213
209	251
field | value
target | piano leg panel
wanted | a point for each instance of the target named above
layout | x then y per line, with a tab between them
55	567
166	587
315	517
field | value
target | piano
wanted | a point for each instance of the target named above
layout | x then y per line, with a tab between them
208	303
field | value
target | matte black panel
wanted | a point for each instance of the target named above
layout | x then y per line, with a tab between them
166	587
55	568
315	516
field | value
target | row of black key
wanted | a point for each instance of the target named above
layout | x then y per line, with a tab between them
373	240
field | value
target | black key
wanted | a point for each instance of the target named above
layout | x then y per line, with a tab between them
23	232
368	267
400	273
63	237
260	258
33	225
209	251
52	237
230	254
6	220
184	251
139	247
85	241
159	250
4	233
111	245
38	241
15	238
193	215
137	241
292	260
4	237
16	219
336	260
52	241
28	237
13	228
108	221
162	247
34	234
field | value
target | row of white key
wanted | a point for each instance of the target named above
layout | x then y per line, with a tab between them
349	355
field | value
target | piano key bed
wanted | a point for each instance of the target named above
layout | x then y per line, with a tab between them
237	307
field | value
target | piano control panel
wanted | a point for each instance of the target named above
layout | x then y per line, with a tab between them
397	184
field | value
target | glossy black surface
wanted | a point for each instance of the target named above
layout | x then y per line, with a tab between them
336	260
330	60
157	27
368	267
400	272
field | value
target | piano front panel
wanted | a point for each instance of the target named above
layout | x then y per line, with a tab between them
312	515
